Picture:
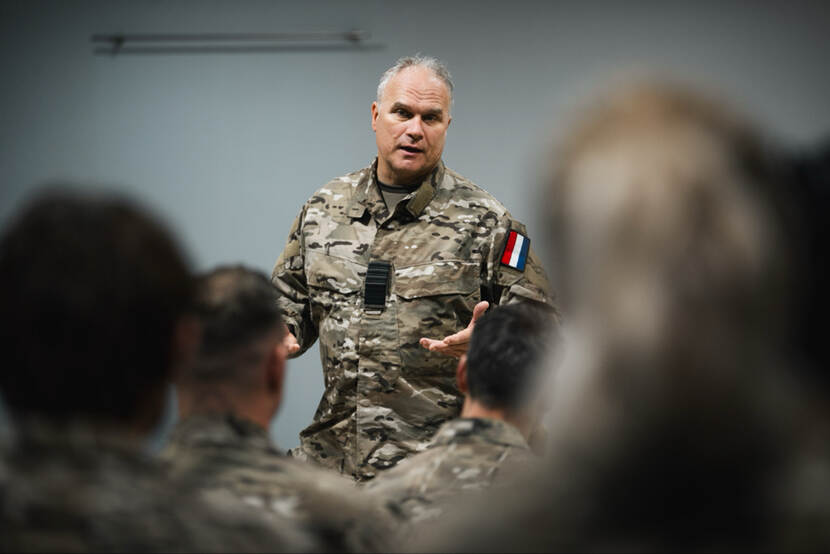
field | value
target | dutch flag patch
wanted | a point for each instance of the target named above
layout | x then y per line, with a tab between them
515	251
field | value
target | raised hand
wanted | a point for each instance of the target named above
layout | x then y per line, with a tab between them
455	345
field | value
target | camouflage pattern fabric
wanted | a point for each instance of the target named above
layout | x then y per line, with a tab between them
71	489
385	395
466	455
218	453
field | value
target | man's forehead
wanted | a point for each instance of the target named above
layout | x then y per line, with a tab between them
417	85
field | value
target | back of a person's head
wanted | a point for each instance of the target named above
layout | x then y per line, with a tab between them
670	256
237	308
505	353
91	290
663	225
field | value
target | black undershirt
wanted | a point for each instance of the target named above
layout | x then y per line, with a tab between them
393	195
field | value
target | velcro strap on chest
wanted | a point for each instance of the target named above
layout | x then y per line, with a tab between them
377	283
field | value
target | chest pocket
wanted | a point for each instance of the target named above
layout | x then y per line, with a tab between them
333	274
435	299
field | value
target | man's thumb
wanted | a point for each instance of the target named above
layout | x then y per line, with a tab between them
480	309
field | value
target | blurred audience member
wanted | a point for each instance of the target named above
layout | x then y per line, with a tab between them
488	442
93	294
675	421
808	226
227	399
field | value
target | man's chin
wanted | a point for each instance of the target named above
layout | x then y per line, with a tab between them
407	174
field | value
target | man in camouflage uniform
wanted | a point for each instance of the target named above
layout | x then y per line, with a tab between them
93	293
489	441
227	399
383	256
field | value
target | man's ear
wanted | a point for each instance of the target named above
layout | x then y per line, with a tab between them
375	114
461	375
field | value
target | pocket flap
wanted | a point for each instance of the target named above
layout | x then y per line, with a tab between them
337	274
434	278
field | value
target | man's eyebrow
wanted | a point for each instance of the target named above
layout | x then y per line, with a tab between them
401	106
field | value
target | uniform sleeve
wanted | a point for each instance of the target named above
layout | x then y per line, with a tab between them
290	279
509	284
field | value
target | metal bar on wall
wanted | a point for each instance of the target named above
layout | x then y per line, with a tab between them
190	43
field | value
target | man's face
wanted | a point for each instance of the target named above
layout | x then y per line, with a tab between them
410	125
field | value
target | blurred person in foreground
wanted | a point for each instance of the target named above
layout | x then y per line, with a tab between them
675	423
487	444
93	294
809	172
227	399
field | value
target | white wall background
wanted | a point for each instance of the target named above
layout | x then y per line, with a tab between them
228	146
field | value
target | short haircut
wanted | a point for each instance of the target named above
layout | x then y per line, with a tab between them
91	290
506	352
433	64
236	307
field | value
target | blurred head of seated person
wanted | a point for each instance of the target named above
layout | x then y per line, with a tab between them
93	293
488	442
502	366
240	362
227	399
674	421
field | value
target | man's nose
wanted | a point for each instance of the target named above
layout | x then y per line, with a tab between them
414	128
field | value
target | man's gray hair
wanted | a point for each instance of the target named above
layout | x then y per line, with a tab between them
434	64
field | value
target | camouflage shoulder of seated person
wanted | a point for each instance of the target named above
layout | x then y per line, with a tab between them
225	454
71	488
466	455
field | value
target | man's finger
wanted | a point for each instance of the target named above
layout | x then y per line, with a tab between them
290	342
461	337
454	351
479	310
430	343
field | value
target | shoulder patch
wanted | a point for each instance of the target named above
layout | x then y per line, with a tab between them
515	250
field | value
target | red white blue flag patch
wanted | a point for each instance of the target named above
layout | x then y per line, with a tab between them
515	251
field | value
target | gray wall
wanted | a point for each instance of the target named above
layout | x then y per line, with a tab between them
228	146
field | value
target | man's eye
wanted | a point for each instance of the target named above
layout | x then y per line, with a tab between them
402	112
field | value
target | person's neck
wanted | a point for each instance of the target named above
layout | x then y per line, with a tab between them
388	177
473	409
256	410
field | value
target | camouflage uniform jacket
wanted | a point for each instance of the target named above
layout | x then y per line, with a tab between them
225	453
385	395
465	455
71	489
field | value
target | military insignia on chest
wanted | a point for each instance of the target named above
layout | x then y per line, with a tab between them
515	250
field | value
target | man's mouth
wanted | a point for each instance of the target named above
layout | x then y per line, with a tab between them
410	149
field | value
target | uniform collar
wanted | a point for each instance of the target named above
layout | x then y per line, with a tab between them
368	196
480	430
